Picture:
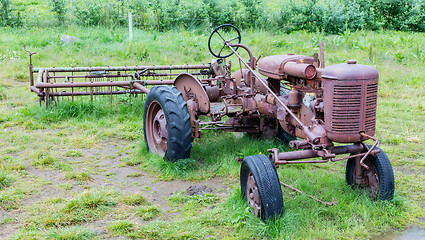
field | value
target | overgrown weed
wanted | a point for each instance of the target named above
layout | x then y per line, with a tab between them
133	199
88	206
5	179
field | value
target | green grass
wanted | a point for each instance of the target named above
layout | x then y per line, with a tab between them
71	233
73	153
82	177
5	180
147	212
37	143
121	227
133	199
86	207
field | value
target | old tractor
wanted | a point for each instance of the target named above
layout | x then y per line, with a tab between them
295	97
323	112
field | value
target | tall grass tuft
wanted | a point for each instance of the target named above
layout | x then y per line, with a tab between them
121	227
5	179
133	199
92	200
71	233
84	109
88	206
148	212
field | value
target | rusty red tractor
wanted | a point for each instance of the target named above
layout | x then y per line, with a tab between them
293	97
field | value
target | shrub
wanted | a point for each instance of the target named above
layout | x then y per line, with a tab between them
5	180
329	16
4	12
8	14
59	8
253	10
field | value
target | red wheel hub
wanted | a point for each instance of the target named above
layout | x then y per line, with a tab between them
156	128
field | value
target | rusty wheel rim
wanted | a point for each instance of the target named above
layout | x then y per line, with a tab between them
370	179
156	128
252	195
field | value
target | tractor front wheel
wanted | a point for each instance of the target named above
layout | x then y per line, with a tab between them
260	186
166	123
378	180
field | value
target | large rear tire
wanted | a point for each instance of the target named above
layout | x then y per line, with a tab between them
260	186
166	123
283	135
378	180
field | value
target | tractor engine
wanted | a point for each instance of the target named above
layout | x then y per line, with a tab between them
337	102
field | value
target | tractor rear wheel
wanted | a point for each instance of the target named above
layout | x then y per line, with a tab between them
260	186
378	180
284	136
166	123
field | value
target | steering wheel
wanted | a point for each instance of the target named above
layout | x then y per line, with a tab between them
217	40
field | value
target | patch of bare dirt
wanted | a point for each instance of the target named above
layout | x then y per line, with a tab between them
108	172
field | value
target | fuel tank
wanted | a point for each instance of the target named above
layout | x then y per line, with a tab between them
275	66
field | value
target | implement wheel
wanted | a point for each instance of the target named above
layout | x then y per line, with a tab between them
378	180
260	186
166	123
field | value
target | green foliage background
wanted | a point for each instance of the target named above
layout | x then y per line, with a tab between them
329	16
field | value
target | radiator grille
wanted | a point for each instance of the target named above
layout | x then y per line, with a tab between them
370	108
351	113
346	108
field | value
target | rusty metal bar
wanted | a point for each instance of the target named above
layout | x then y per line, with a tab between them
39	76
140	87
63	94
333	203
156	82
46	99
308	161
82	84
101	84
30	66
121	75
369	151
322	56
45	75
287	157
130	68
355	155
36	90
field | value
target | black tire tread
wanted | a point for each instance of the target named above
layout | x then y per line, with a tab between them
268	184
178	121
385	172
